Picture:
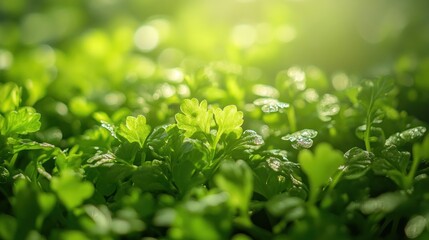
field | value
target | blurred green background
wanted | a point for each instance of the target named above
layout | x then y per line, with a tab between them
70	48
344	35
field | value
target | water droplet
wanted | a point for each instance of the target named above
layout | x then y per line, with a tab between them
302	142
308	133
109	127
257	140
270	105
406	136
253	137
328	107
282	105
413	133
281	178
270	108
301	139
353	152
289	137
274	163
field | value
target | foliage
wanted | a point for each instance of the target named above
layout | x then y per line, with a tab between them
107	135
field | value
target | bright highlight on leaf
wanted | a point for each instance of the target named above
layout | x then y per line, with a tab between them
210	120
228	120
24	120
135	129
195	117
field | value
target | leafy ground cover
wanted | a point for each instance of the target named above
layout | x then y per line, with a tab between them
105	138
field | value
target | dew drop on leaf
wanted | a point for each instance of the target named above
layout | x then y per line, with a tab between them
302	142
308	133
270	108
274	163
281	178
258	140
282	105
412	133
289	137
406	136
270	105
301	139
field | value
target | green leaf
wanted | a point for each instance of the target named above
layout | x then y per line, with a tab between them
109	171
320	166
7	227
165	142
276	175
195	117
393	164
187	167
384	203
283	205
72	235
25	120
401	138
357	163
135	129
25	207
153	176
70	188
10	97
249	142
228	120
374	91
206	218
19	145
236	179
376	134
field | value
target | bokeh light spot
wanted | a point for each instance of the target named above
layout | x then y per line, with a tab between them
243	35
146	38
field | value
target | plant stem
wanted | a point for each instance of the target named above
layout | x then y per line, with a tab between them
335	181
412	172
13	161
292	119
367	135
368	123
214	144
